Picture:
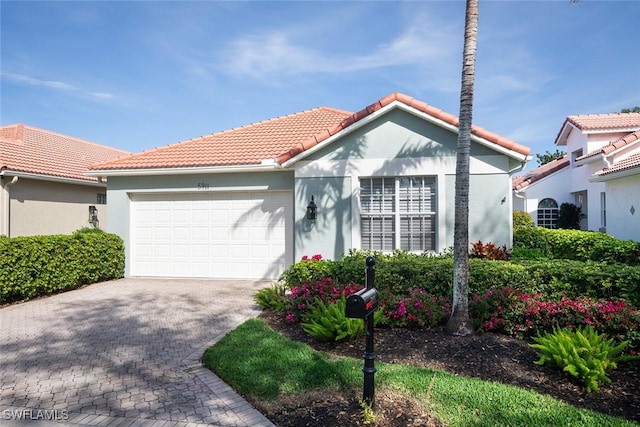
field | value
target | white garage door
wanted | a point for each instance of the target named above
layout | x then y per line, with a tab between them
218	235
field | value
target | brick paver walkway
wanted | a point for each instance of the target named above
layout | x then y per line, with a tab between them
124	353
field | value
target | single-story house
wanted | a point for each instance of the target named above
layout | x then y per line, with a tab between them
597	175
248	202
43	187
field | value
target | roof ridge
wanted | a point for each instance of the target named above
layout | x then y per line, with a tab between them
412	102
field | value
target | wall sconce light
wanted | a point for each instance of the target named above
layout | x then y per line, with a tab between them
93	216
312	208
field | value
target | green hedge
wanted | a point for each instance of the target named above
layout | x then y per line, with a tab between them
399	272
42	265
575	245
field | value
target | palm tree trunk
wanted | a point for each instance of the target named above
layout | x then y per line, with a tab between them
459	323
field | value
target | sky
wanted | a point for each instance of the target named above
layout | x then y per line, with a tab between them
143	74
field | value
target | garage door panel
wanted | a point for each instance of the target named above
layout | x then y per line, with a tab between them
220	235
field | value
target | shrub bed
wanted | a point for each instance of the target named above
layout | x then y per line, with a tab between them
574	244
521	299
42	265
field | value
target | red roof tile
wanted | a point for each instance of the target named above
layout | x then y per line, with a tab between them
281	138
522	181
631	162
605	122
614	145
28	149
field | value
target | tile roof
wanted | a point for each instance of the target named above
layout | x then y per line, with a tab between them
614	145
631	162
28	149
281	138
246	145
522	181
612	121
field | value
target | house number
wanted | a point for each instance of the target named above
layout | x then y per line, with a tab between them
203	186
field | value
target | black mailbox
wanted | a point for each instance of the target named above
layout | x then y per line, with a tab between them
362	303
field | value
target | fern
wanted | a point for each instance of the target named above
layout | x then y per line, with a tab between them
328	322
584	354
272	297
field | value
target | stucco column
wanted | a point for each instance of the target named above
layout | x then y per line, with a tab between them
4	204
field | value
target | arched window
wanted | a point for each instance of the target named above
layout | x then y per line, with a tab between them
548	213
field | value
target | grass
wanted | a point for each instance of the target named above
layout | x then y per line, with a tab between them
256	361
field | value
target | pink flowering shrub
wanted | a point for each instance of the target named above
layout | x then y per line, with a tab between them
303	297
524	315
308	270
418	310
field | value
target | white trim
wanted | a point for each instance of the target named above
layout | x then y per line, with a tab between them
401	105
184	171
394	167
51	178
439	212
160	191
615	175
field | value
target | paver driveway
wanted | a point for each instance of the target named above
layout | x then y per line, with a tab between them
124	353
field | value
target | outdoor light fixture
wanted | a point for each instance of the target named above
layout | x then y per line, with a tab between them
311	210
93	216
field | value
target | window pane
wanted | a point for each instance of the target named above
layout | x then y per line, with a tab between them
416	194
377	232
404	204
417	233
377	195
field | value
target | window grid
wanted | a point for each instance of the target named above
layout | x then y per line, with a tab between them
548	213
398	213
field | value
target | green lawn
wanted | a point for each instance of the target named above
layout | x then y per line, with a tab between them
258	362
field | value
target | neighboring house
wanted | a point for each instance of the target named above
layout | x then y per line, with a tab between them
238	203
622	189
43	188
599	174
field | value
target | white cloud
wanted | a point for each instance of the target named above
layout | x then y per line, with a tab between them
101	95
285	53
20	78
52	84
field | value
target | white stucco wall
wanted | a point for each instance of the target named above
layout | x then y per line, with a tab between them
556	186
622	195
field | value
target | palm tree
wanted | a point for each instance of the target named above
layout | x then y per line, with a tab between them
459	323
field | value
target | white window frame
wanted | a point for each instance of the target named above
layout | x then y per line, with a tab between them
550	215
396	215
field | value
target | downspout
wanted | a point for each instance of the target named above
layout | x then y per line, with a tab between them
4	201
520	166
606	161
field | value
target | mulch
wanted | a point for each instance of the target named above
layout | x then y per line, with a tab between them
487	356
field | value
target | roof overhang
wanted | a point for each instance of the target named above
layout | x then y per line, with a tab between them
265	166
401	105
50	178
615	175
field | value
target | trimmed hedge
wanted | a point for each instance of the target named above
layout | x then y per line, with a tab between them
42	265
399	272
574	245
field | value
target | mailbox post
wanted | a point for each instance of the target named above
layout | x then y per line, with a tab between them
362	305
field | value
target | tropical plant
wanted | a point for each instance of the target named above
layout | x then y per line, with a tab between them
273	297
548	157
522	219
489	251
584	354
569	216
328	322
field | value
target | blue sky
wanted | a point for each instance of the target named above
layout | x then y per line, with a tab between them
139	75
